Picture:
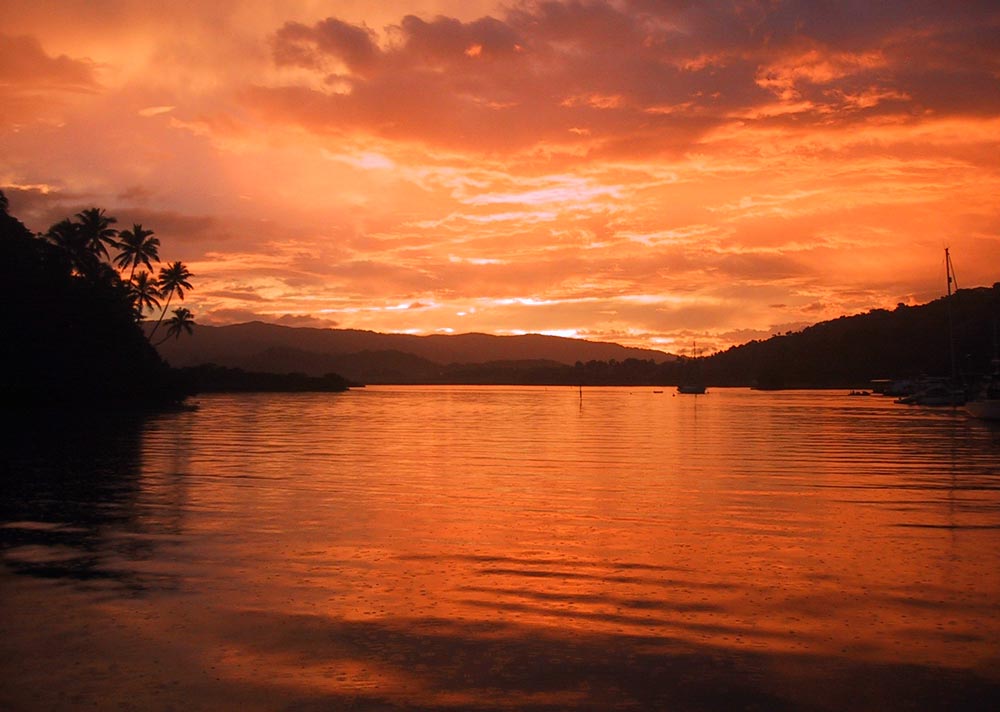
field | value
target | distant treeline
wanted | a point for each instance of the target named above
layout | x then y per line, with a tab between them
210	378
907	342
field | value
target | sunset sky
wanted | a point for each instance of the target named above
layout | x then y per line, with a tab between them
648	172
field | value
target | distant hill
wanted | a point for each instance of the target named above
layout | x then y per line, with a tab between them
361	367
372	357
906	342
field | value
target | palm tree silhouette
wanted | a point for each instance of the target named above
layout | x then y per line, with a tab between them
96	231
67	236
173	280
137	247
144	292
182	321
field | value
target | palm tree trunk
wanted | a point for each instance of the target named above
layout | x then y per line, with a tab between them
162	314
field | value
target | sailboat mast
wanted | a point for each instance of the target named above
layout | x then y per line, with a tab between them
950	274
949	270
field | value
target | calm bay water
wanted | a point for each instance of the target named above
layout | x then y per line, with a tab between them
508	548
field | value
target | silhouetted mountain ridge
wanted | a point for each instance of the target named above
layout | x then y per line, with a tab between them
848	351
259	346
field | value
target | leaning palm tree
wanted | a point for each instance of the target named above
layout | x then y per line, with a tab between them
137	247
144	292
173	280
95	228
181	322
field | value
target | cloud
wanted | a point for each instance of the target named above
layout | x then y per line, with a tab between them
492	83
222	317
632	77
300	320
37	86
24	64
41	207
297	44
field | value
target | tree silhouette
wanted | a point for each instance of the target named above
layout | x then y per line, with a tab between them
96	231
173	280
67	236
137	247
70	334
83	243
145	293
181	322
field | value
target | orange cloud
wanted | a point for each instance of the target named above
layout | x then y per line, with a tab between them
23	63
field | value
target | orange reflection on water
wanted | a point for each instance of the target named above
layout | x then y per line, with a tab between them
456	547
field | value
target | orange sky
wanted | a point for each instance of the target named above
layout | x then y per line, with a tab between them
640	171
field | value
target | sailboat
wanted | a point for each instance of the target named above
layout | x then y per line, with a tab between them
695	385
942	391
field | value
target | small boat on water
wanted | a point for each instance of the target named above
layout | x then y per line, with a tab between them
691	388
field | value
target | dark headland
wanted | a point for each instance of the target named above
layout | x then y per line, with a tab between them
75	334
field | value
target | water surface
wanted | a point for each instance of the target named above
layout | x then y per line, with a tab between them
503	548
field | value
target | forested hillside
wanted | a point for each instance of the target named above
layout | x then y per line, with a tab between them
850	351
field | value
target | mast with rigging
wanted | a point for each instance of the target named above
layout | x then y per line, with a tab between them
949	269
